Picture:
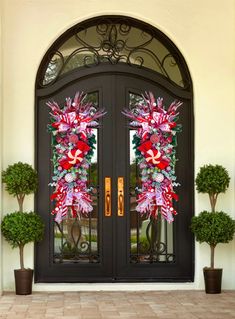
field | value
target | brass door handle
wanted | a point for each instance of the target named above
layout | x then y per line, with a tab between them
120	204
120	196
107	203
108	210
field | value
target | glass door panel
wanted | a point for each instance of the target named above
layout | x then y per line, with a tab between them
76	239
150	240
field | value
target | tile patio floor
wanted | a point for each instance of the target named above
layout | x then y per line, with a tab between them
104	305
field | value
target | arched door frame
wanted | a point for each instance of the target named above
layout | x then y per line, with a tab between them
185	93
153	31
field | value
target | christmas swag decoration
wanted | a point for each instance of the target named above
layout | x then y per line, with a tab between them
154	144
73	146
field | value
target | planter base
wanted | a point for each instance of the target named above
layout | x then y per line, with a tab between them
212	278
23	281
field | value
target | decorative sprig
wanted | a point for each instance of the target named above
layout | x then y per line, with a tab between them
154	144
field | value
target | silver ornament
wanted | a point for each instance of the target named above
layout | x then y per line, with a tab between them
69	178
159	177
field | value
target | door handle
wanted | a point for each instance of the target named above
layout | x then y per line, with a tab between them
107	203
120	196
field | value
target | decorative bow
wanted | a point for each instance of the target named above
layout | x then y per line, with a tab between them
151	199
74	198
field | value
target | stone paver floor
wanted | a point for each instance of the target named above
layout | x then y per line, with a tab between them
125	305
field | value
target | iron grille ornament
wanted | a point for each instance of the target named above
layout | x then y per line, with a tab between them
154	248
74	244
113	41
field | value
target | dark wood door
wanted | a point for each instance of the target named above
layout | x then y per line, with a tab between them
103	248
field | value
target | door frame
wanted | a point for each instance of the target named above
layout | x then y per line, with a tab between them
154	78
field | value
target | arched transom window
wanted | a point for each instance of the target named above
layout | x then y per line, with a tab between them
114	40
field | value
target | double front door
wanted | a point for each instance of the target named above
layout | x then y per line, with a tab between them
114	243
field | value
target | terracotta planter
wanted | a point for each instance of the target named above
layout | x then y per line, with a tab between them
213	279
23	281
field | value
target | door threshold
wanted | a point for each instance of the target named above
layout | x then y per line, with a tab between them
56	287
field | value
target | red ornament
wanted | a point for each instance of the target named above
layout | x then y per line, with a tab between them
73	139
154	139
65	164
84	147
152	155
144	147
75	156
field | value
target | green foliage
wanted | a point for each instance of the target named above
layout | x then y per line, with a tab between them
92	144
213	228
20	179
94	173
20	228
136	143
212	179
144	245
68	250
133	177
93	238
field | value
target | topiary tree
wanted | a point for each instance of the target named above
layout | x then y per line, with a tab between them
20	228
20	179
213	228
213	180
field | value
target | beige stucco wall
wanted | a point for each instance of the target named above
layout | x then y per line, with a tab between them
1	73
203	30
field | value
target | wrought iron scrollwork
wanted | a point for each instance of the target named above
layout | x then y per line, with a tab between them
75	246
112	41
154	249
